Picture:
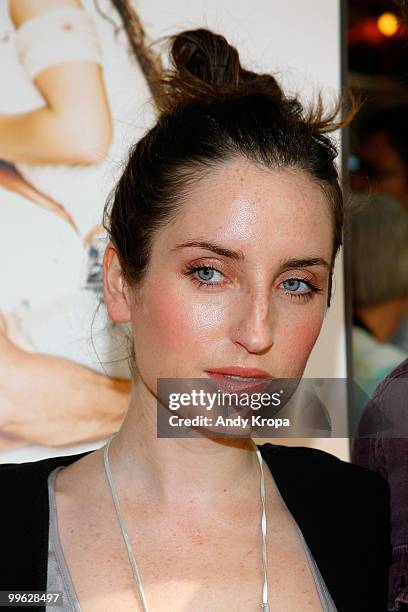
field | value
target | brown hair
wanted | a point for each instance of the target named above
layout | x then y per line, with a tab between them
213	110
148	59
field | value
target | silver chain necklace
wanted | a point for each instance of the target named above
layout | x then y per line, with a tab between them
132	560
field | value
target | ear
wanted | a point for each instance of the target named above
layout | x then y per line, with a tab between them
115	290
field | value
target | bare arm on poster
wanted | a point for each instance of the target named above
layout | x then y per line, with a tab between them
90	406
75	125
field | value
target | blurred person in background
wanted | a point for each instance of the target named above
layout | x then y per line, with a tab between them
382	150
380	287
381	445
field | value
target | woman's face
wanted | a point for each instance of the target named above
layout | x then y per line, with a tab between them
261	302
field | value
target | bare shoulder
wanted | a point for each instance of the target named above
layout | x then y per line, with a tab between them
21	10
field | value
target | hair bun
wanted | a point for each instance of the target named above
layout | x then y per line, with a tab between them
205	67
206	56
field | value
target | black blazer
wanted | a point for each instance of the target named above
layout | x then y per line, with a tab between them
341	509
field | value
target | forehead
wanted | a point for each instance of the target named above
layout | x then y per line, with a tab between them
261	210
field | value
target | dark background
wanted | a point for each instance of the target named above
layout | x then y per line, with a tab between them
377	64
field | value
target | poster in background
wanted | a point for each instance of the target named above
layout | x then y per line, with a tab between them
64	376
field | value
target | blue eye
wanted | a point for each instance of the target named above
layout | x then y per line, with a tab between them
207	274
294	284
204	275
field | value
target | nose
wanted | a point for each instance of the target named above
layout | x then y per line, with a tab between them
254	326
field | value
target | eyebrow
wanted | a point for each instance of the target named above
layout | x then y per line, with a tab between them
285	264
211	246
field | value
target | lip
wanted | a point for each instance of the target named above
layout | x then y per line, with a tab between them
241	371
230	385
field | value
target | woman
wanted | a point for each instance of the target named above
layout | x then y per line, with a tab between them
224	228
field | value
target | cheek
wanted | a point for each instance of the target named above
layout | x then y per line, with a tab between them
163	321
175	323
298	338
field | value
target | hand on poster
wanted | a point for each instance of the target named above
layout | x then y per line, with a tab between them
90	405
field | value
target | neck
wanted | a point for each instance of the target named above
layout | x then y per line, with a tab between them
203	470
384	318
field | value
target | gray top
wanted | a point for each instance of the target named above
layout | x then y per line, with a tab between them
59	579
